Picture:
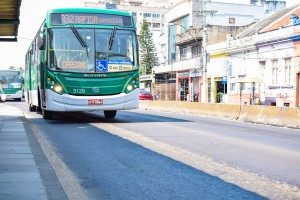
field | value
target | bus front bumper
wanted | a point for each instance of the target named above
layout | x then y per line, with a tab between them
17	95
66	102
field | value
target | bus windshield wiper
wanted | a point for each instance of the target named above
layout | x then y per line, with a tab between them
112	38
79	38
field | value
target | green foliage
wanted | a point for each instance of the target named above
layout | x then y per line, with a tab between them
148	55
16	68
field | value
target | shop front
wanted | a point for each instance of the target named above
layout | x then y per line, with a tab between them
182	86
195	82
188	85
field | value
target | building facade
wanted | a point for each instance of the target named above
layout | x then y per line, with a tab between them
192	25
261	65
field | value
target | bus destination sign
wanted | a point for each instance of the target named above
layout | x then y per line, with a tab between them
90	18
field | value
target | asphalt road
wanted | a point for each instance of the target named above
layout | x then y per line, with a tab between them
153	155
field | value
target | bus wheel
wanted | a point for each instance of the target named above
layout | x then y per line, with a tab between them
32	108
110	113
47	114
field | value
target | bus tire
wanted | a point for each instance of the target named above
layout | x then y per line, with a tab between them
39	107
32	108
110	114
47	114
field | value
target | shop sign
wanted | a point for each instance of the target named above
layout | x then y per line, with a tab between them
180	74
224	80
195	73
146	78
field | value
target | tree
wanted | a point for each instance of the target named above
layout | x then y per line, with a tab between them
16	68
148	55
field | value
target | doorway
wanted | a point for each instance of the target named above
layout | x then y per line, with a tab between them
221	91
183	89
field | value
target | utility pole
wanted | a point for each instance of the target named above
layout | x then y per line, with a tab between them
201	12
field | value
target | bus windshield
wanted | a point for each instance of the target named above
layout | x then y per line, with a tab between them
10	79
91	50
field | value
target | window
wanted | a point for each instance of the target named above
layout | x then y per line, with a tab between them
183	52
274	71
232	86
196	51
147	14
287	71
262	68
155	15
242	86
133	13
173	57
231	20
156	25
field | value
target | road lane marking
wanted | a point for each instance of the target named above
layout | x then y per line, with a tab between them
67	179
248	180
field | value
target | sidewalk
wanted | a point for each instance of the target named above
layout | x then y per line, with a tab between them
19	175
25	172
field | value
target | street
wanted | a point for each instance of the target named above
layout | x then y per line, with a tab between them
143	154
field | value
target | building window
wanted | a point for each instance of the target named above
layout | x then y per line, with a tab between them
173	57
274	72
133	13
156	25
231	20
287	71
183	52
232	86
262	68
147	14
196	51
242	86
155	15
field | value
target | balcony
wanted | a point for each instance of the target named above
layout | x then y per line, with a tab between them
192	63
192	36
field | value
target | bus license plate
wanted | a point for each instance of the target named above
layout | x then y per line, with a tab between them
95	101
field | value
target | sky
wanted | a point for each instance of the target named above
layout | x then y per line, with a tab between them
32	15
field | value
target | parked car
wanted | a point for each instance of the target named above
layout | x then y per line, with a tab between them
145	95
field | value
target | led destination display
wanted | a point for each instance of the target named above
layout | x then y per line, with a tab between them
90	18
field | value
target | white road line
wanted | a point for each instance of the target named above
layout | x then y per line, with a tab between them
247	180
67	179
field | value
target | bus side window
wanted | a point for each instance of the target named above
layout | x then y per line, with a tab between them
41	43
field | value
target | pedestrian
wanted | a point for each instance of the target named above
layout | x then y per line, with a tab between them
155	95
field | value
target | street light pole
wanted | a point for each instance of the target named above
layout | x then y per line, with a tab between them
204	63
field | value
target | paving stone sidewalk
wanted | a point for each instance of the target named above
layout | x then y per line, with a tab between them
19	175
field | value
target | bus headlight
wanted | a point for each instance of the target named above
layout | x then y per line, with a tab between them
54	86
129	87
132	85
58	89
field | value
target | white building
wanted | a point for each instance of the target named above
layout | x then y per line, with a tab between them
182	44
264	62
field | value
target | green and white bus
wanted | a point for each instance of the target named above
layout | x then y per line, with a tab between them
11	85
83	59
